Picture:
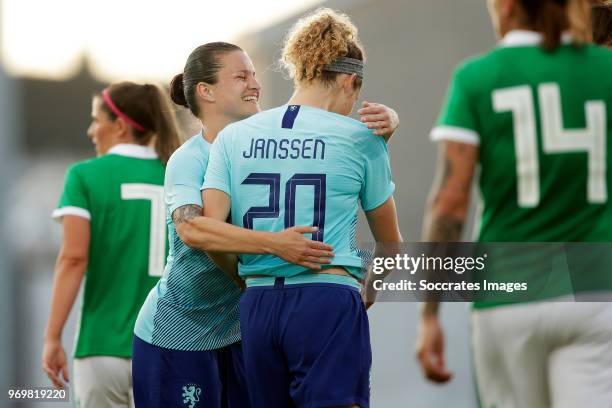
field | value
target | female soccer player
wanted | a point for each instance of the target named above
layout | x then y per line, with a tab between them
537	120
187	333
112	213
305	334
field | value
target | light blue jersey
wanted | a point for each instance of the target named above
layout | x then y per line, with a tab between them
299	165
194	306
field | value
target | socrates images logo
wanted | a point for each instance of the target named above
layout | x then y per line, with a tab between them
191	395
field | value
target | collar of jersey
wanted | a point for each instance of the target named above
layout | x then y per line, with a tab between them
325	112
522	38
133	150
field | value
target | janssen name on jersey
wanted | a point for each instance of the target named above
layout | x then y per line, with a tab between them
261	148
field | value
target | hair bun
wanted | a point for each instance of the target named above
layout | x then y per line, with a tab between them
177	92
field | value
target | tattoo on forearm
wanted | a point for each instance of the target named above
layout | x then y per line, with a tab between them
443	173
449	201
448	170
185	213
444	229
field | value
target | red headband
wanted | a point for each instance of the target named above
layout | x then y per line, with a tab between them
109	102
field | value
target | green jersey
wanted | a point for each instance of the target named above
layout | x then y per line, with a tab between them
122	196
542	121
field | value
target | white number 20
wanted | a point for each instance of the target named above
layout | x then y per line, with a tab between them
157	236
555	139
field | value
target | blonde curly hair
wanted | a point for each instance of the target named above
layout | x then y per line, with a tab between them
317	40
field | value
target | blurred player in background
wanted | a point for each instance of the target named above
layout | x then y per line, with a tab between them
602	22
534	113
305	332
112	214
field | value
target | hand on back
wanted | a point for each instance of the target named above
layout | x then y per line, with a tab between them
292	246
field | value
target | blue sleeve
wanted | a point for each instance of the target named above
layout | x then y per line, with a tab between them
219	165
184	175
377	185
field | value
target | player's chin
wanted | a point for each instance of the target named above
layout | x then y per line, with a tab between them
251	108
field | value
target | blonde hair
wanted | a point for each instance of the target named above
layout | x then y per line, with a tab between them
579	20
317	40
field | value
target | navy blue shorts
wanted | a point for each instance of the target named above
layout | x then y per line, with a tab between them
305	345
173	378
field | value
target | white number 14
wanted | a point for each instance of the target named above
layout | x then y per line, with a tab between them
555	139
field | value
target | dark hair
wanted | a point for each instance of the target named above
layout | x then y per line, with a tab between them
602	22
552	17
203	65
149	107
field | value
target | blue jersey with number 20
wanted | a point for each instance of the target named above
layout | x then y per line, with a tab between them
299	165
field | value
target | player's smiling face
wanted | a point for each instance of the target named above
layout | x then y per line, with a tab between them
236	92
101	131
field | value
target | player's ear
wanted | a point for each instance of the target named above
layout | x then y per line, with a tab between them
122	129
347	82
205	92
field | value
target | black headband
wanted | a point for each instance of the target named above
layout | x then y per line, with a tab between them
346	65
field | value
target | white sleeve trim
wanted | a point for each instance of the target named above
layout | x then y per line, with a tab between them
58	213
455	134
